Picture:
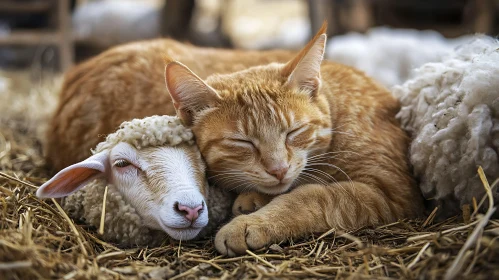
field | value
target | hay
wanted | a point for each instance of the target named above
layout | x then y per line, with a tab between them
37	240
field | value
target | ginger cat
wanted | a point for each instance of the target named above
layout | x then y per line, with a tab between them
127	82
321	136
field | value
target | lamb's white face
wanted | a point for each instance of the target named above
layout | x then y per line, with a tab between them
166	185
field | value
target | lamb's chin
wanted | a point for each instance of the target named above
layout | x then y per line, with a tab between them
182	234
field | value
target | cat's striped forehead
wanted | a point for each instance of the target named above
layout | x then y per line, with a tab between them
260	121
263	106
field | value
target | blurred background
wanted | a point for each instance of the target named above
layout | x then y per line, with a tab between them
52	35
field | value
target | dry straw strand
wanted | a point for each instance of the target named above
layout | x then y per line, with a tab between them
458	262
103	214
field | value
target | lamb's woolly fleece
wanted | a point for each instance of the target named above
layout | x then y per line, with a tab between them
451	109
149	131
122	223
389	55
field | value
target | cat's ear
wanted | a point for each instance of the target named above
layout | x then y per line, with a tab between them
304	70
189	93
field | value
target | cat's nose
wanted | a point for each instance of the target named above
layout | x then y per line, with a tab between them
279	171
190	213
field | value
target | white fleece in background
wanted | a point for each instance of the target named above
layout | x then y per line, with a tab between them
451	109
389	55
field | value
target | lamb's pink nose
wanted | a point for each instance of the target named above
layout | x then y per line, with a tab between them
191	214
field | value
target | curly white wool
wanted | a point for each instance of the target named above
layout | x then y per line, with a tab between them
451	108
123	225
149	131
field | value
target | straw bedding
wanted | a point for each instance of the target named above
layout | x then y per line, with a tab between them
38	240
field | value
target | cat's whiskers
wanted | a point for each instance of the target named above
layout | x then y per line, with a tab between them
334	166
321	155
230	180
298	182
224	174
329	153
235	179
234	175
314	178
246	186
329	176
224	170
325	159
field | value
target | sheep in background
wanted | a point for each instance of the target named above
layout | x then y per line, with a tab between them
108	23
156	182
389	55
451	109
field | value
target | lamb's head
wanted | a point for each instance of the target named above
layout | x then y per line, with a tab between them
155	165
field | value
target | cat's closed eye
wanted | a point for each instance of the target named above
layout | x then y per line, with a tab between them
300	137
244	143
295	132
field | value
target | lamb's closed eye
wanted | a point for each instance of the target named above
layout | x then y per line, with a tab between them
121	163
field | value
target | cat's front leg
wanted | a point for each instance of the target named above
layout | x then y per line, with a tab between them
306	209
249	202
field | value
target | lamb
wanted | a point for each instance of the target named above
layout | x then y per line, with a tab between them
451	109
156	185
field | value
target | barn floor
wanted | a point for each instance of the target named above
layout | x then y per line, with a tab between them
38	240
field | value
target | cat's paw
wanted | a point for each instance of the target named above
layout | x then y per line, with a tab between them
242	233
249	202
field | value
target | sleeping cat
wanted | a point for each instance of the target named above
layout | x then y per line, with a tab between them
319	136
127	82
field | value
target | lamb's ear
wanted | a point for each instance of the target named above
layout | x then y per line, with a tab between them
75	177
190	94
304	70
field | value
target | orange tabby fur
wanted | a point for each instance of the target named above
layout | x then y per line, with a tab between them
127	82
323	136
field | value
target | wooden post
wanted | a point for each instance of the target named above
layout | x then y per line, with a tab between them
320	10
484	16
176	18
64	32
